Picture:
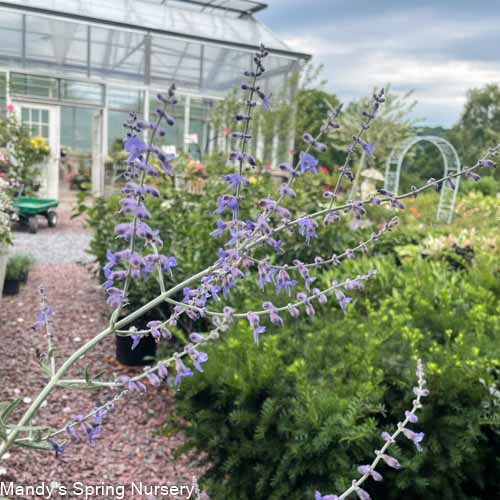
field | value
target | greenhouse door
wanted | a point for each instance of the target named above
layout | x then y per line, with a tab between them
44	121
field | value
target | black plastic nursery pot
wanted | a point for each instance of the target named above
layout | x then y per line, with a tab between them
11	287
142	355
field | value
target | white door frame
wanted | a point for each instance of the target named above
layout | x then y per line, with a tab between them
51	175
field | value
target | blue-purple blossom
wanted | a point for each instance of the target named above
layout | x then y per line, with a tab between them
235	180
167	263
284	282
307	162
286	190
366	469
58	449
273	313
136	339
416	437
182	371
319	496
196	356
307	228
343	299
390	461
152	376
135	147
162	370
254	321
159	330
362	494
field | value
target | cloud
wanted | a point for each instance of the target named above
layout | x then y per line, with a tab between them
438	48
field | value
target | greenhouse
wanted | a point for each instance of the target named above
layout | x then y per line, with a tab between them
73	69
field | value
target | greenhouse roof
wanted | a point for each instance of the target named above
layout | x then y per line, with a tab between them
202	45
229	22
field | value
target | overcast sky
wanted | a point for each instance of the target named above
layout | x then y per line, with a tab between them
439	48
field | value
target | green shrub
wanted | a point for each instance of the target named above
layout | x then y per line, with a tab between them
300	412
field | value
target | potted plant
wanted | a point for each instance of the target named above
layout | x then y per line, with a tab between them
25	262
18	267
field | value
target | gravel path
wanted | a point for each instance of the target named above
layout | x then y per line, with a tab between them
129	449
64	243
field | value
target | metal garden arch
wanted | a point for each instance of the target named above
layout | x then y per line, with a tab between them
451	163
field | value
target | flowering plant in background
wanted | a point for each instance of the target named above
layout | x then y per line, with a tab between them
26	154
5	212
247	248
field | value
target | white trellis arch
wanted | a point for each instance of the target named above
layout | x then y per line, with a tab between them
451	163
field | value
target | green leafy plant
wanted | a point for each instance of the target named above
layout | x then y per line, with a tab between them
18	266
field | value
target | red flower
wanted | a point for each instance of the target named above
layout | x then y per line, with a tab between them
324	170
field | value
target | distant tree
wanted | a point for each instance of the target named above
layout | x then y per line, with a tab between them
479	124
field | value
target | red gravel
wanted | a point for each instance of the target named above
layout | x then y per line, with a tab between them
129	448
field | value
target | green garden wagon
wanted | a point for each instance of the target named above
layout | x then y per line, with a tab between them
28	208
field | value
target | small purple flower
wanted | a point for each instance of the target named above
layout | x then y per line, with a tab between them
411	417
136	339
70	429
390	461
319	496
286	190
387	437
307	228
58	449
307	162
420	392
196	356
167	263
162	370
487	163
152	377
254	321
182	371
293	311
366	469
362	494
416	437
235	180
92	432
331	218
273	313
343	299
319	295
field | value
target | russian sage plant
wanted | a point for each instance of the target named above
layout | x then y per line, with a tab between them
245	252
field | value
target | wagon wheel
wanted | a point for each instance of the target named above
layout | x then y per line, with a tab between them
52	218
33	224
